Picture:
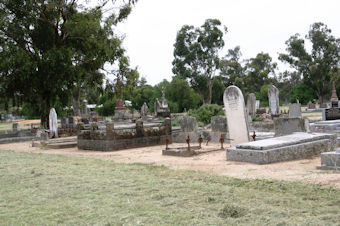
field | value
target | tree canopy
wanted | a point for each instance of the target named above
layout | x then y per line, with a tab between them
318	66
50	46
196	55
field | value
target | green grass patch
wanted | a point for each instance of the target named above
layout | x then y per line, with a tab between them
40	189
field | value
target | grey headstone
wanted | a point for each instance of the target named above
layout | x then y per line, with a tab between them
144	110
189	124
257	105
294	110
286	126
251	104
63	122
236	115
273	97
53	123
219	123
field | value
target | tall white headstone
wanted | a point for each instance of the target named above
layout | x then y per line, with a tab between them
273	97
236	115
53	123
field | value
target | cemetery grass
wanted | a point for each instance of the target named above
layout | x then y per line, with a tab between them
40	189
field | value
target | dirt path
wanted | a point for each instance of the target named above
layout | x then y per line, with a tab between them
213	162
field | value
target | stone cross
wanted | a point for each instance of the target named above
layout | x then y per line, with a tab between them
236	115
251	104
53	123
273	97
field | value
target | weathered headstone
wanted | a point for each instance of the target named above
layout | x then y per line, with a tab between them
144	110
53	123
63	122
294	110
236	115
251	104
189	124
257	105
273	97
219	124
286	126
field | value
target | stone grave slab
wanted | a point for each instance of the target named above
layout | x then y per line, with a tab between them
284	148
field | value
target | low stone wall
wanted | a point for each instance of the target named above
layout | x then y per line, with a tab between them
124	136
114	145
18	136
285	148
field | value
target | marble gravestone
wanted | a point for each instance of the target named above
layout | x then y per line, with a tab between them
273	97
251	104
295	110
53	123
236	115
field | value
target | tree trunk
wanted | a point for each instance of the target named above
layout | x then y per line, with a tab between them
210	91
45	112
76	103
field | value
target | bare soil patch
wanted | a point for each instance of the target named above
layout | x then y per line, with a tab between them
213	162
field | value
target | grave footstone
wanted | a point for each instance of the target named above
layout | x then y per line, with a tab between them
294	110
53	123
236	115
251	104
273	97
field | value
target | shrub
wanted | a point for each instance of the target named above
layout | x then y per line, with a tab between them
205	112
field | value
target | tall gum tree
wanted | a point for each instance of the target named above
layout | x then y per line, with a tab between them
48	47
318	66
196	55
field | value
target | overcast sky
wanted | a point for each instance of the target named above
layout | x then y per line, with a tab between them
255	25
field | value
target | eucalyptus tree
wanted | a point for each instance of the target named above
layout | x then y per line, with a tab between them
320	64
49	47
196	55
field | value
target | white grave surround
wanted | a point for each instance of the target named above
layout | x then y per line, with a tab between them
236	115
